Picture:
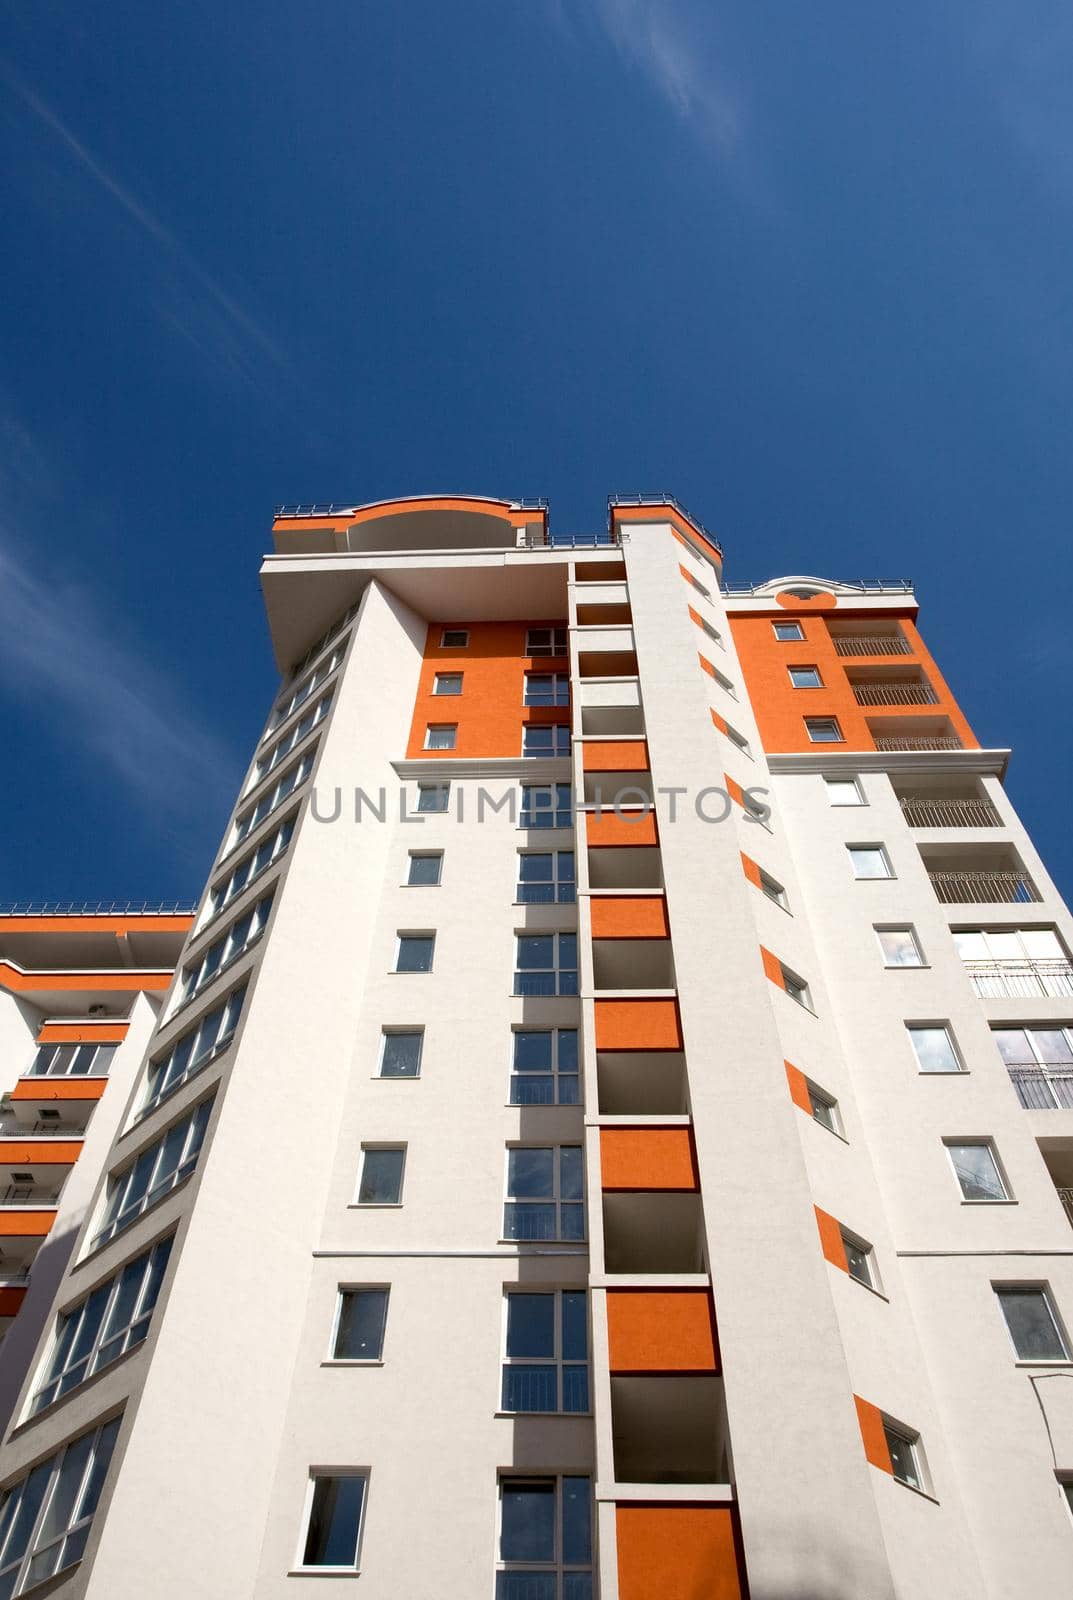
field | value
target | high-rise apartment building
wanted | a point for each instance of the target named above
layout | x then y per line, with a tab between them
607	1133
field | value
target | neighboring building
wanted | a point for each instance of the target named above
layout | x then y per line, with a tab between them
529	1197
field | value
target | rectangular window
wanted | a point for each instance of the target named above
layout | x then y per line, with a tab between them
546	642
441	735
454	639
773	890
737	739
290	741
546	1365
546	964
545	1193
860	1260
424	869
413	952
544	1068
824	730
333	1521
546	739
547	805
824	1108
869	861
545	1539
109	1322
400	1053
722	680
904	1450
1015	963
250	868
787	632
193	1050
298	695
382	1167
241	936
805	677
150	1176
360	1319
546	689
432	797
324	641
1032	1324
46	1517
844	792
1040	1064
546	877
900	947
934	1048
72	1060
977	1170
274	796
447	683
797	989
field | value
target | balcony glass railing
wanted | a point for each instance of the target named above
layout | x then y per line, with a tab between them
1044	1088
984	888
1019	980
921	812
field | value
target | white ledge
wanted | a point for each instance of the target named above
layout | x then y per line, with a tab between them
827	760
668	1493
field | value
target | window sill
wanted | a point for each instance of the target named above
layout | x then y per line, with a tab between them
420	885
871	1289
512	1416
324	1572
907	966
579	1246
924	1494
356	1362
988	1202
393	972
835	1134
394	1077
374	1205
947	1072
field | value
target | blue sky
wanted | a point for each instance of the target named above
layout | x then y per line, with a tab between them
808	271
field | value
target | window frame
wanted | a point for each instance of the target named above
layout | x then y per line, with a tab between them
813	723
852	781
460	641
231	1007
102	1439
554	810
98	1067
920	1484
404	1031
557	970
952	1142
432	729
106	1227
555	1073
796	988
806	666
333	1359
558	1360
558	1567
934	1027
789	638
380	1144
423	855
561	734
816	1095
298	731
556	882
1046	1294
440	678
557	697
877	848
880	928
433	788
299	690
866	1251
223	886
414	936
327	1474
555	1200
773	889
195	979
248	822
557	631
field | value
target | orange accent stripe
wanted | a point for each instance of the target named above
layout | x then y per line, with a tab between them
876	1448
831	1239
83	1032
629	917
59	1088
638	1025
40	1152
798	1087
641	1159
751	870
116	925
661	1330
111	982
734	789
720	723
25	1224
637	828
615	755
772	968
678	1552
706	665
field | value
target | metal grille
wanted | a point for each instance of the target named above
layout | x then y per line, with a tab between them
984	888
97	908
1043	1088
949	813
1066	1197
918	741
1017	980
871	644
912	692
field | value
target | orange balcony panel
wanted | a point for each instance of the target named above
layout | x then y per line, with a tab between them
615	755
113	981
25	1224
637	827
11	1299
83	1032
630	917
678	1553
59	1088
638	1025
652	1330
647	1158
121	923
40	1152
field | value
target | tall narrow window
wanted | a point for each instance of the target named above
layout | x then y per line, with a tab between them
361	1317
1032	1323
824	1108
380	1183
977	1170
545	1193
545	1539
546	877
933	1046
905	1455
333	1522
544	1069
546	1364
45	1518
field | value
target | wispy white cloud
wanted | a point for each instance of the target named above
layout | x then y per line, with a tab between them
233	333
1027	57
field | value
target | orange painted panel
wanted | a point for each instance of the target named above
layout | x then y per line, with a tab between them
638	1025
637	827
648	1158
489	711
627	916
25	1224
875	1440
720	722
798	1087
772	968
59	1088
751	870
781	709
12	977
706	665
615	755
831	1239
11	1299
660	1330
669	1552
40	1152
83	1033
117	924
734	789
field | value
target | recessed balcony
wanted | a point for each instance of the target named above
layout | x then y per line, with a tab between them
949	805
41	1103
642	1083
632	964
868	639
610	721
626	867
608	654
669	1429
613	570
622	788
653	1233
914	733
988	875
891	686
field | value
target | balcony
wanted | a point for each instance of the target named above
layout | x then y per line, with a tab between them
917	741
882	690
973	888
658	1233
1021	980
1044	1088
669	1429
644	1083
871	644
948	811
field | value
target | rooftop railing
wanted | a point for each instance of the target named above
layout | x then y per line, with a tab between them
871	644
984	888
328	508
917	741
911	692
660	500
1043	1088
858	585
97	908
1021	980
921	812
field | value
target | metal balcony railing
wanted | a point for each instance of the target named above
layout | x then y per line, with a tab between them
14	1280
40	1130
1043	1088
1066	1197
921	812
1021	980
871	644
984	888
911	692
917	741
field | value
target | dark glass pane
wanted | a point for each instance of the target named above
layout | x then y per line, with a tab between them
527	1531
529	1389
1032	1328
360	1334
531	1325
573	1222
381	1177
532	1089
534	868
534	983
570	1175
402	1055
576	1388
568	1057
530	1173
535	951
532	1052
568	950
566	866
415	955
536	894
332	1537
525	1586
575	1325
529	1222
577	1586
577	1521
569	1091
